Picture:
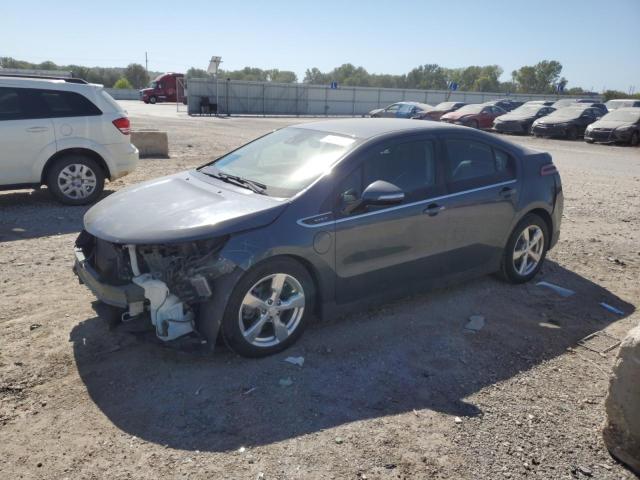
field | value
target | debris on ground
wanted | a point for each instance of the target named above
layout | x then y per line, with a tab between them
286	382
34	326
563	292
295	360
457	420
339	440
475	323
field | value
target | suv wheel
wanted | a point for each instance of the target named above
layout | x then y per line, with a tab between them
152	100
269	308
572	133
635	139
526	250
76	180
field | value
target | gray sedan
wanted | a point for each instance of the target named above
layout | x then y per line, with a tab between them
318	219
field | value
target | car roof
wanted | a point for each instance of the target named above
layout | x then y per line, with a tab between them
366	128
47	83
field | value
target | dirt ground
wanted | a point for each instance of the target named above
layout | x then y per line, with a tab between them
399	392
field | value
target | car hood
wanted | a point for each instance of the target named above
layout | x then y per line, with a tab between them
376	110
457	115
610	124
146	90
518	117
181	207
553	121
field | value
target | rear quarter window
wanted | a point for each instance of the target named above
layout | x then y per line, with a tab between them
68	104
472	164
9	104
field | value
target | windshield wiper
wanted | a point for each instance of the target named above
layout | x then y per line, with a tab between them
252	185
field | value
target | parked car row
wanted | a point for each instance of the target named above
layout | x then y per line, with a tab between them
617	121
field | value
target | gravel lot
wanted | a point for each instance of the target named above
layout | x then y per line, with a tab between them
402	391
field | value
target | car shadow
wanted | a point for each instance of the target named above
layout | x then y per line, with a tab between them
34	213
412	354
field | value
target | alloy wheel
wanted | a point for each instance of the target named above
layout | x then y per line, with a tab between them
77	181
271	310
528	250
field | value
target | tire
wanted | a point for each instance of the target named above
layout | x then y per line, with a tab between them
588	141
152	100
76	168
511	266
635	139
274	328
572	133
474	124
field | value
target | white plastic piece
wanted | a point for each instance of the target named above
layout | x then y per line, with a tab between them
166	310
133	258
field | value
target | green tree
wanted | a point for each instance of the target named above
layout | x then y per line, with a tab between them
540	78
196	73
122	83
137	75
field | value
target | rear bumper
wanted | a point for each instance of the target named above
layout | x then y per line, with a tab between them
124	158
116	295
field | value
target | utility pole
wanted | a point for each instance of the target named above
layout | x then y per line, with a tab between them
146	62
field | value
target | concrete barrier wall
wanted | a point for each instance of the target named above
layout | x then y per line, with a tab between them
266	98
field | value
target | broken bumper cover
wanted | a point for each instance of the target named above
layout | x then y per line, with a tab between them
116	295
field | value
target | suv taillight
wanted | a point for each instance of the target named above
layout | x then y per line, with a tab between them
123	125
548	169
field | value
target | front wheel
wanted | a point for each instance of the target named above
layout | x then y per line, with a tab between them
269	308
526	250
635	139
572	133
76	180
152	100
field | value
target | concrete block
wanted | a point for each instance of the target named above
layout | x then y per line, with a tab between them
622	426
151	143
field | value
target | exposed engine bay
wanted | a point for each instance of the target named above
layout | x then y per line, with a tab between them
174	277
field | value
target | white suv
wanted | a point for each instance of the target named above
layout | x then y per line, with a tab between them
63	133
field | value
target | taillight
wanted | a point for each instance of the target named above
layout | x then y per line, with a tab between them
548	169
123	125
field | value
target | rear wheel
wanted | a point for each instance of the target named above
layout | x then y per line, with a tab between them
474	124
269	308
526	250
76	180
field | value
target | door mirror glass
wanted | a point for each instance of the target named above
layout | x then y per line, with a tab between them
382	193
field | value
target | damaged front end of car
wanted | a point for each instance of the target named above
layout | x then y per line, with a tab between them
167	282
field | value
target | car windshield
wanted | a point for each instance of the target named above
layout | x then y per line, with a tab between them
527	110
623	115
475	108
613	104
285	161
564	103
153	84
445	105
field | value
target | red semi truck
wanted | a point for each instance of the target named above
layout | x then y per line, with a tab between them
165	88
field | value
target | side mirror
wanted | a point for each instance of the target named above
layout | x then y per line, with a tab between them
379	193
382	193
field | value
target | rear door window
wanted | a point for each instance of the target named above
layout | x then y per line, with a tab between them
472	164
10	104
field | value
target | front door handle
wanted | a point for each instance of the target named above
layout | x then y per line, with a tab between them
433	209
37	129
507	192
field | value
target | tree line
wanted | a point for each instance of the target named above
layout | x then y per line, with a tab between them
543	77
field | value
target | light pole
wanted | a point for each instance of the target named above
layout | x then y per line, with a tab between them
214	63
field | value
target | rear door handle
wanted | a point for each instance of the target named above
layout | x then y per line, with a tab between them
37	129
507	192
433	209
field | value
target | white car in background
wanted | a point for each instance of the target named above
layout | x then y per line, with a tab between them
66	134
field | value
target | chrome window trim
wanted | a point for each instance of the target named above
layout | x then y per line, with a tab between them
398	207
